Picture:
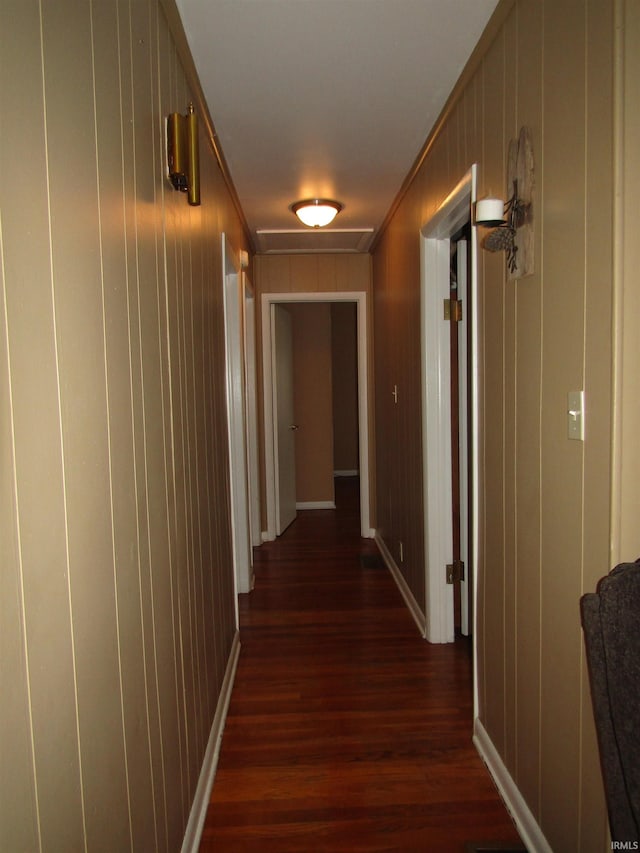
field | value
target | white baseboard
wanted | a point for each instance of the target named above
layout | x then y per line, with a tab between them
348	473
526	824
267	536
315	505
418	616
191	840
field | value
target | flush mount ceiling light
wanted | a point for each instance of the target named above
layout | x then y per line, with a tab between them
316	212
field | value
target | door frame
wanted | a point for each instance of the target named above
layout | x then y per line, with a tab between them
463	290
436	232
270	459
236	420
251	408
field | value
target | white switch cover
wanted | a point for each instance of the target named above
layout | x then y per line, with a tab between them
575	415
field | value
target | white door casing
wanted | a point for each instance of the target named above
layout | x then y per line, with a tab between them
463	292
454	212
251	410
242	554
270	459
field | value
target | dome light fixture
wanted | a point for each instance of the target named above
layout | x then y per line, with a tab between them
316	212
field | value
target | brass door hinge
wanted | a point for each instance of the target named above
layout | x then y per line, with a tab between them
453	310
455	571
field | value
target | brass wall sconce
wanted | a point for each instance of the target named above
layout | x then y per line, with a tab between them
511	223
183	155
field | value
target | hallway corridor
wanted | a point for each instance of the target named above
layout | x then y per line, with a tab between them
346	731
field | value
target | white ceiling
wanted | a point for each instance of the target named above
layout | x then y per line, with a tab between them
326	98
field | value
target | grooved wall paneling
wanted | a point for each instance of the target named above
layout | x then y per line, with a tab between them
545	513
117	588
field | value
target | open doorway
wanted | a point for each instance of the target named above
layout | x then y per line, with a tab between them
313	405
270	302
325	401
441	467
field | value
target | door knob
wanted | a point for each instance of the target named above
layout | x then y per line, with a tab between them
293	426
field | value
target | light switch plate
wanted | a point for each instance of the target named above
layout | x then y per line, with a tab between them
575	415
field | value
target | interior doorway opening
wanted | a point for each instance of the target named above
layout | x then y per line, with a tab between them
437	236
270	302
325	399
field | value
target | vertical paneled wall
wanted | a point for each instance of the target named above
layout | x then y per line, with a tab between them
626	487
117	603
398	418
545	507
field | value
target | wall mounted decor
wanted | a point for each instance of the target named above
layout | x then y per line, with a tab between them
183	155
511	223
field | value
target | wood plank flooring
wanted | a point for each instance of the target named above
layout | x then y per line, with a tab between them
346	730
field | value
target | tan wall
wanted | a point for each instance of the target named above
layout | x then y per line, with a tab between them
333	273
399	510
345	386
626	483
117	612
312	401
545	501
312	273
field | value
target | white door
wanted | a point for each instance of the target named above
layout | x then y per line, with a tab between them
285	428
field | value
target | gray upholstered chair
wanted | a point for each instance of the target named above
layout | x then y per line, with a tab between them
611	624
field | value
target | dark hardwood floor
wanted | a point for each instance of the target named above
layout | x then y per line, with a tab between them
346	730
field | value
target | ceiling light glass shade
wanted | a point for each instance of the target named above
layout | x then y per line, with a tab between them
316	212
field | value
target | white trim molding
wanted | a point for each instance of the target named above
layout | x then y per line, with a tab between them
236	419
268	301
198	813
526	824
349	473
452	214
315	505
